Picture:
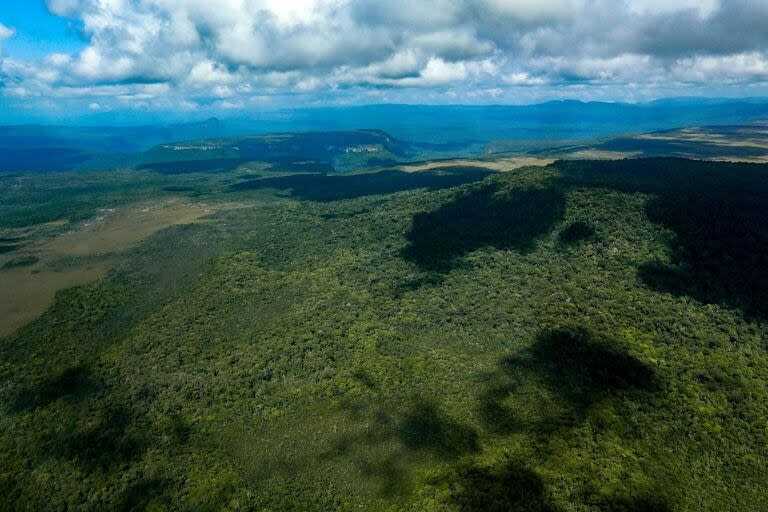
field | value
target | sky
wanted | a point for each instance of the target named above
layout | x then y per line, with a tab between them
69	59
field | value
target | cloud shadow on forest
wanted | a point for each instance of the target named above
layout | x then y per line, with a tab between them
335	187
485	216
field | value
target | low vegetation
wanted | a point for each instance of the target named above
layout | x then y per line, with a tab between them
743	143
21	261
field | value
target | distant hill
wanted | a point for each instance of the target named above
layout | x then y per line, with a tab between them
431	130
466	125
41	148
107	139
310	151
742	143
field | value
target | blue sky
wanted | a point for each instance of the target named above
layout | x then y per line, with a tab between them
38	32
75	59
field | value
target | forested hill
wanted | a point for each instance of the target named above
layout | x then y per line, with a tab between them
585	336
313	151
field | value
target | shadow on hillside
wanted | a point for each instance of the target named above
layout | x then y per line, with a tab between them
576	232
47	159
576	367
719	214
146	495
192	166
483	217
509	486
106	439
721	251
421	430
513	485
646	502
424	428
336	187
421	427
302	166
577	370
75	382
682	148
4	249
103	437
91	429
230	164
426	280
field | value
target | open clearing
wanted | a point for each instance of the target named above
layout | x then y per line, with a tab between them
741	143
496	164
26	292
115	230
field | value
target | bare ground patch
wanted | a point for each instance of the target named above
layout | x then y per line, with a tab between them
27	291
496	164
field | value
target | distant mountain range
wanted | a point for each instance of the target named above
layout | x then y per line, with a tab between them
443	130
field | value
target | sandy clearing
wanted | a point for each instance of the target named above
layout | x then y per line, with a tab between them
26	292
497	164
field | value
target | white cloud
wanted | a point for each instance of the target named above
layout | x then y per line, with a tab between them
522	78
208	72
58	59
222	91
438	71
309	84
228	105
65	7
5	32
18	92
703	7
93	65
735	68
235	52
533	11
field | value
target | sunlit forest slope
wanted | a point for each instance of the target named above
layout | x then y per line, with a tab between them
585	336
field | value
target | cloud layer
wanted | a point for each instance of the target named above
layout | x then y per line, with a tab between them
188	54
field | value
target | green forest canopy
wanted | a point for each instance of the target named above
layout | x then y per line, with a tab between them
585	336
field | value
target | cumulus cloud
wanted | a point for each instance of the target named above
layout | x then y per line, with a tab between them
702	7
236	52
523	78
5	32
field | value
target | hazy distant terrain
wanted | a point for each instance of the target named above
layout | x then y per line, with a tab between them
308	151
436	131
740	143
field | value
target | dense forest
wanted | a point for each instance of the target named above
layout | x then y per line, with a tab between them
586	336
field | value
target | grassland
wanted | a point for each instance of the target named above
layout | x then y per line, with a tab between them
583	336
500	164
43	265
729	143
